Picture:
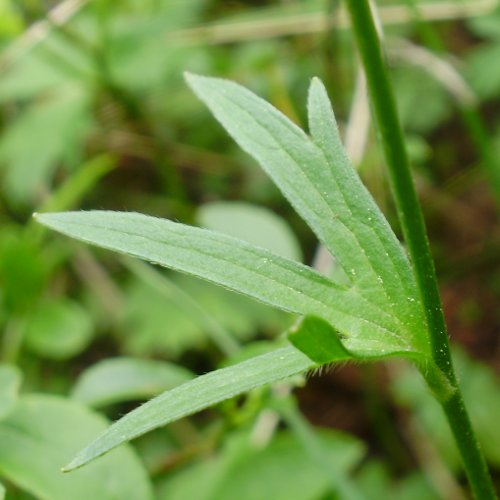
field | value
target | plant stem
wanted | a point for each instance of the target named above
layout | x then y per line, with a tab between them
413	226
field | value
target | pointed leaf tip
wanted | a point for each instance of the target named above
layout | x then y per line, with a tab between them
316	86
38	216
41	216
316	82
188	75
70	467
194	80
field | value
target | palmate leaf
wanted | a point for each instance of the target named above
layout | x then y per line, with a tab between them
375	313
318	180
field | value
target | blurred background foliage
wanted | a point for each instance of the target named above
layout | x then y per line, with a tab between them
95	114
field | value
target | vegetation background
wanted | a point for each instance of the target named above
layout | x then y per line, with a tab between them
95	115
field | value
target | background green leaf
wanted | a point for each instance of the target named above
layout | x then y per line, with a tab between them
42	432
58	329
174	313
28	175
281	470
256	225
123	379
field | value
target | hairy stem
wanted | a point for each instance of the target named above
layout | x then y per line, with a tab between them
413	226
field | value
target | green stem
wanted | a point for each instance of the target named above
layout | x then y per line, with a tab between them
413	226
481	141
472	456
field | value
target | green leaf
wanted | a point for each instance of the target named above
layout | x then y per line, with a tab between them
23	270
236	265
11	24
364	241
375	482
256	225
58	329
281	471
377	313
29	77
252	350
482	70
10	381
318	340
196	395
419	115
147	312
80	183
2	491
485	26
27	174
317	179
42	432
124	379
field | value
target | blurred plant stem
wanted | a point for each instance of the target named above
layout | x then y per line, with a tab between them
221	337
39	31
413	226
286	23
12	339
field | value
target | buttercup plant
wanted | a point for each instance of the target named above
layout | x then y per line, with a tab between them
384	304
